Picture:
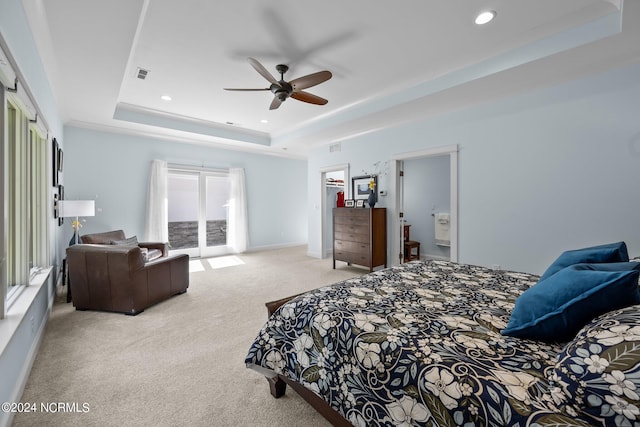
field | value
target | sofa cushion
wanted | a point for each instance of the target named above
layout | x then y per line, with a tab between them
554	309
597	374
102	238
150	254
130	241
612	252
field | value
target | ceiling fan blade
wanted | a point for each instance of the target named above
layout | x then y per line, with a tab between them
263	71
227	88
308	97
275	103
310	80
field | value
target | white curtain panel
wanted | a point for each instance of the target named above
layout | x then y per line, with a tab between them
237	230
156	222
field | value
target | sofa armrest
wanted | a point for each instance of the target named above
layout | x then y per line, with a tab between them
162	247
169	274
129	257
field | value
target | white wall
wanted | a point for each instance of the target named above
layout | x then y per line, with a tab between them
538	173
115	168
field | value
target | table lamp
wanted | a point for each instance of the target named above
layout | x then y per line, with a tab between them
76	208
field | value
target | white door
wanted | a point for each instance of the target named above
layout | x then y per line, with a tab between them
198	212
400	180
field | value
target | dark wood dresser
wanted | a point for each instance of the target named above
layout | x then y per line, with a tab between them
360	236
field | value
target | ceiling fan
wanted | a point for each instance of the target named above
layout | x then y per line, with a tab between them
294	89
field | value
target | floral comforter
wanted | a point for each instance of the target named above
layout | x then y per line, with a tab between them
416	344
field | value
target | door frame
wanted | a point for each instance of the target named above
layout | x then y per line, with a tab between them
202	250
397	222
344	167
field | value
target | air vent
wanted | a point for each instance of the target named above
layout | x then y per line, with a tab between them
141	73
334	148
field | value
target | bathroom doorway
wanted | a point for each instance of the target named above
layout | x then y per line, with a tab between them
427	205
427	200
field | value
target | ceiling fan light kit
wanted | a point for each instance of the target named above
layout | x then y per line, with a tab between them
282	89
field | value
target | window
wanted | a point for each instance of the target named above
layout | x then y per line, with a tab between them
38	200
24	202
17	149
24	190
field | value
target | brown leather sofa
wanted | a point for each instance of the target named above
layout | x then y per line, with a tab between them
115	277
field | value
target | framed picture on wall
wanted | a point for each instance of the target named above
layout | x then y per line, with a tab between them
54	162
60	159
60	197
360	186
55	206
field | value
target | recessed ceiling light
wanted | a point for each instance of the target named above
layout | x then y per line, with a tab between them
485	17
165	97
264	121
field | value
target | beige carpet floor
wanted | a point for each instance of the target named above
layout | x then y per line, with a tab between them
180	362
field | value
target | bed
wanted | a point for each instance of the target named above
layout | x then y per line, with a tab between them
422	343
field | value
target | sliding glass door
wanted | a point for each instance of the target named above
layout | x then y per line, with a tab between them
198	212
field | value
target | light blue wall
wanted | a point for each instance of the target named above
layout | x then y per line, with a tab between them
115	169
538	173
26	325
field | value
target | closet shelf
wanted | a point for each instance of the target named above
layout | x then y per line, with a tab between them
334	183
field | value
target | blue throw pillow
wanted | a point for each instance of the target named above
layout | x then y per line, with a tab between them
610	266
612	252
554	309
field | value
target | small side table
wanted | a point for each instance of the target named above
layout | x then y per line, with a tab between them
409	246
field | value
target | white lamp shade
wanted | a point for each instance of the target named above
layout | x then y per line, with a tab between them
75	208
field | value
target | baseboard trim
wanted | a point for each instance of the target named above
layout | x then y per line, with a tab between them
277	246
434	257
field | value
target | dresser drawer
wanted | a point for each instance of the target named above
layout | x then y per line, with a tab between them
352	237
351	228
352	258
355	217
351	246
351	212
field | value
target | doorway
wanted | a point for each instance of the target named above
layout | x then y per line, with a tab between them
333	181
198	212
427	200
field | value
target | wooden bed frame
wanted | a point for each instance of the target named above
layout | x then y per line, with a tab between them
278	384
